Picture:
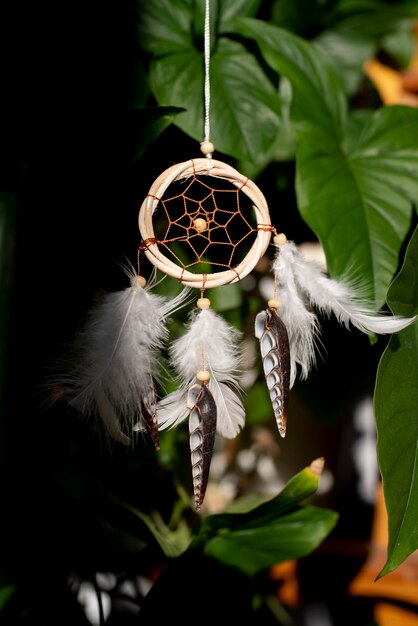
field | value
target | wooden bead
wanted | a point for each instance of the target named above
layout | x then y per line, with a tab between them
279	239
207	147
203	303
141	281
203	376
200	224
274	303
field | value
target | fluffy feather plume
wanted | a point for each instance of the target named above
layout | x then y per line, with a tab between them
208	336
302	285
116	364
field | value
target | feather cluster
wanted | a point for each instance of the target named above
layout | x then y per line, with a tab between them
209	336
304	287
118	360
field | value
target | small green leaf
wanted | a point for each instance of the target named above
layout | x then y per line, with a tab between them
396	410
274	531
287	537
173	543
300	487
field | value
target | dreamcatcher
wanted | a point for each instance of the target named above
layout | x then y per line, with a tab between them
206	225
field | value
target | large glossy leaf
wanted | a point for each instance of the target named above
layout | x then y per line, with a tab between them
245	106
396	410
319	97
356	177
358	196
277	530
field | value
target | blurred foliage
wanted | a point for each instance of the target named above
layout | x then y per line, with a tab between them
97	101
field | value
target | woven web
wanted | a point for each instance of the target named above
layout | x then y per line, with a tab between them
205	228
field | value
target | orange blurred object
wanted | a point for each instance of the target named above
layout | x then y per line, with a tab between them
394	86
286	575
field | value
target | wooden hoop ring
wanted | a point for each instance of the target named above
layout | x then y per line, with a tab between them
217	169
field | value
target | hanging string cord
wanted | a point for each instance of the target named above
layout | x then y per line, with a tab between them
206	146
207	71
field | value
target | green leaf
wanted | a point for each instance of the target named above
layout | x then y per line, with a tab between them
300	487
177	80
274	531
172	542
282	147
318	93
148	124
348	53
239	8
164	26
396	410
288	537
357	196
245	109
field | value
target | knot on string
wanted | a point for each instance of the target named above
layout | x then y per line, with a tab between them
146	243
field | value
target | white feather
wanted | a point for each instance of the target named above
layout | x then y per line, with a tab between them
301	323
209	342
302	286
118	356
338	297
230	410
172	409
